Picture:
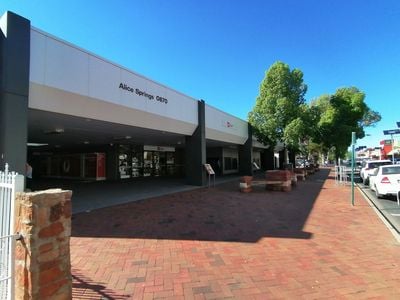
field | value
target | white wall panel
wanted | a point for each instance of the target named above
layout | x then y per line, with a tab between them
58	64
67	68
86	107
224	127
180	108
37	57
131	99
102	79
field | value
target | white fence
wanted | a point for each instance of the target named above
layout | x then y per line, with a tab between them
342	174
10	183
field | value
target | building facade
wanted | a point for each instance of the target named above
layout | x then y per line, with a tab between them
73	114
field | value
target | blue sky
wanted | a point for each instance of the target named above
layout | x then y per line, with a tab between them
219	50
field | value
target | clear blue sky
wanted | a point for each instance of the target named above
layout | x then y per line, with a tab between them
219	50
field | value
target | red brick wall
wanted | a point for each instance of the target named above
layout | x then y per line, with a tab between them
42	258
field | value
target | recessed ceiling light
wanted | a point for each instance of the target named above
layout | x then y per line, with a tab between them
54	131
36	144
86	142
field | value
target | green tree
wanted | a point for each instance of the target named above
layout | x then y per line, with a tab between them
278	114
340	114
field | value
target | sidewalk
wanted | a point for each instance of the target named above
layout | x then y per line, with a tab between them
220	244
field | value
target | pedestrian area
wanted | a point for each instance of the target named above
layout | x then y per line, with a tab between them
218	243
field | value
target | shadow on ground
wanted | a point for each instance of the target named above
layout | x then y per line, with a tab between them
221	213
84	288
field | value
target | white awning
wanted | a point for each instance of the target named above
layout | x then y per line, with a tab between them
394	151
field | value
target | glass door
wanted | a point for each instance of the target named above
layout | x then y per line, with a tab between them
147	163
137	163
124	165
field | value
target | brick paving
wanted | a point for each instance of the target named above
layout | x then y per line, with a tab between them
217	243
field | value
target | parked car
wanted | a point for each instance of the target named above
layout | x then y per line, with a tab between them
368	168
357	167
385	180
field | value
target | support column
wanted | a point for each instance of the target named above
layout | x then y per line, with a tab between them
195	151
246	155
267	159
14	90
112	162
282	158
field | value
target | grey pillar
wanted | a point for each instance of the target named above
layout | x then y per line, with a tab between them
195	151
112	162
282	158
267	159
246	155
14	90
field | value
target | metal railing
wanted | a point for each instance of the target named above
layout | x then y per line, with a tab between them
342	174
10	183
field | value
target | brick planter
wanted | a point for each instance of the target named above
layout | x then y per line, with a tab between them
245	184
278	180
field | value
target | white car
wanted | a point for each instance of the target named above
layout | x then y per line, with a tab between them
385	180
368	167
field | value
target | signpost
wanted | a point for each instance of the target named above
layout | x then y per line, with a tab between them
210	173
353	143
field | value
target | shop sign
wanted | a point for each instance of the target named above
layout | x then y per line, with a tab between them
142	93
227	124
158	148
388	142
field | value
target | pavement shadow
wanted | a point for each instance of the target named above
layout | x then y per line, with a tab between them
221	213
85	288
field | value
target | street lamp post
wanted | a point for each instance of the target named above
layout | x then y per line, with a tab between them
353	143
391	136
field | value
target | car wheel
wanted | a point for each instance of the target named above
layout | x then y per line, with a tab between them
377	193
366	181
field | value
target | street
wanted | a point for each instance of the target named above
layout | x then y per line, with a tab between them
388	206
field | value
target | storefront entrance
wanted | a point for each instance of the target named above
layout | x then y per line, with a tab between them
148	161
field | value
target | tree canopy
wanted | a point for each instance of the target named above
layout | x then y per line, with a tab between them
278	112
341	114
281	114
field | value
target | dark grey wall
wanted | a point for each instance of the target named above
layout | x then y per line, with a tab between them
246	155
14	92
281	159
112	162
267	159
195	151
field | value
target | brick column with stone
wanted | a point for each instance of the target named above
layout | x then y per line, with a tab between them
42	258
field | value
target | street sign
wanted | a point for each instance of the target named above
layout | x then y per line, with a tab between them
392	131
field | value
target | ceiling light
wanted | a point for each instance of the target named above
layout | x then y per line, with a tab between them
36	144
54	131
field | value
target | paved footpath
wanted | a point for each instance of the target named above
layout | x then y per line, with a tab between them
218	243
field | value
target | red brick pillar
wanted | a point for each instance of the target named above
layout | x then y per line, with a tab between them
245	184
42	258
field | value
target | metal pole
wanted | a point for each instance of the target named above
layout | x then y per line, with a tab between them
392	149
353	142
